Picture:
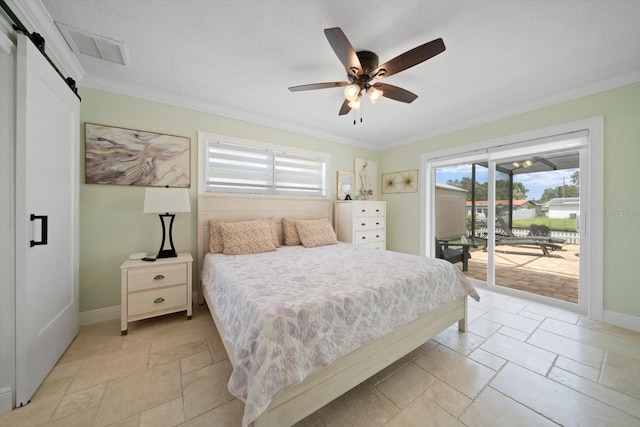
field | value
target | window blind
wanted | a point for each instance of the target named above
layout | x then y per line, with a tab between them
239	168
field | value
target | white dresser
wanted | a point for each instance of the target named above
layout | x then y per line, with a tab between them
362	223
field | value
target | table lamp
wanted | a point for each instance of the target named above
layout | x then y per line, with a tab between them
162	201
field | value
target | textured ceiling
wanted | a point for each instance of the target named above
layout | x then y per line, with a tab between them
237	58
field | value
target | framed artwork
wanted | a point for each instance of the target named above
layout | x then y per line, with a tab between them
400	182
344	185
121	156
366	173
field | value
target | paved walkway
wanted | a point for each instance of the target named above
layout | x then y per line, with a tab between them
527	269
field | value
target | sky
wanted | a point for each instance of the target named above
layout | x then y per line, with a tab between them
536	183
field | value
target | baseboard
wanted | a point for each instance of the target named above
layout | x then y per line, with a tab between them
109	313
100	315
6	400
622	320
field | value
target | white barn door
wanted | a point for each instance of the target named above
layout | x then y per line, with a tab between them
47	162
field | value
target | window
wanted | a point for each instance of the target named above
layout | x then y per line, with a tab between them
241	166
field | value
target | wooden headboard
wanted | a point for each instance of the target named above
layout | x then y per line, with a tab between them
249	206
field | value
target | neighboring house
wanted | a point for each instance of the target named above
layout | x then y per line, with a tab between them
563	207
481	207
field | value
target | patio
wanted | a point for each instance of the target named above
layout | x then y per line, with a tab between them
527	269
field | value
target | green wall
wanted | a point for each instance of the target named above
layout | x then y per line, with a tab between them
112	224
621	110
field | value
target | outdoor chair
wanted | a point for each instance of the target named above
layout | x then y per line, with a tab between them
444	250
544	242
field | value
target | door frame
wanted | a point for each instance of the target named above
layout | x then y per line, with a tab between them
591	221
7	219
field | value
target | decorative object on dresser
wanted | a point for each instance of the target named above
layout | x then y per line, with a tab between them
344	185
159	200
366	179
132	157
400	182
362	223
154	289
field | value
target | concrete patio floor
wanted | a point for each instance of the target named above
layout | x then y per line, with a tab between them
528	269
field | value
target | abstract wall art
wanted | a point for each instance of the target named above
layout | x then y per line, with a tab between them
400	182
121	156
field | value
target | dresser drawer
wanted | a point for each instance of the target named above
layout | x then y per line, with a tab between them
157	276
364	237
365	223
157	299
375	245
369	209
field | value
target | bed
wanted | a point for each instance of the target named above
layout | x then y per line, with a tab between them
297	339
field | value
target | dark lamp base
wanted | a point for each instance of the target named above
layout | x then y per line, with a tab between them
167	253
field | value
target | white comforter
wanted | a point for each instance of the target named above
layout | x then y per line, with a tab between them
288	312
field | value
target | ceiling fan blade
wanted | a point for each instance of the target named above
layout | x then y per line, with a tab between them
314	86
344	108
408	59
344	51
396	93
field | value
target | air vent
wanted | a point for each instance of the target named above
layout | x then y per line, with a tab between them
85	43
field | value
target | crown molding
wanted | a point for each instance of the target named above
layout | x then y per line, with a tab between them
41	22
613	82
209	108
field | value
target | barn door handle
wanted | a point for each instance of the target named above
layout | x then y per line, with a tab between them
43	230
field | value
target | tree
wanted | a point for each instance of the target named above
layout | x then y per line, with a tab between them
560	191
575	178
482	189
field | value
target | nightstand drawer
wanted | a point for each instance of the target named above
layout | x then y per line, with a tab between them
157	276
364	237
157	299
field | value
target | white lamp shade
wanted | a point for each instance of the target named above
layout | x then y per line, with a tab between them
159	200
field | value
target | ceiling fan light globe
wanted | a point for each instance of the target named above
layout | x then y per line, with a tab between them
374	94
355	104
351	92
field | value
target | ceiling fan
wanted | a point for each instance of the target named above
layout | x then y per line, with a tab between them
362	68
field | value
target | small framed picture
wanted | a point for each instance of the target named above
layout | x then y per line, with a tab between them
344	185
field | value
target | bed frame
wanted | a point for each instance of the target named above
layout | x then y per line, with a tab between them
325	384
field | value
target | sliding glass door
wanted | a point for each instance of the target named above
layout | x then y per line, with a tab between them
521	205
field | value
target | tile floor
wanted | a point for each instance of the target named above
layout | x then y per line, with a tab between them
520	363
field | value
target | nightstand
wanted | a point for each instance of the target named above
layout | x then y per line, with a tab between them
152	289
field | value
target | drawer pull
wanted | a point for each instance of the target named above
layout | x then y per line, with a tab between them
363	237
377	223
377	235
364	210
158	300
158	277
364	223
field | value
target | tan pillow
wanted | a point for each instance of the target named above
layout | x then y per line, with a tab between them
290	232
316	232
246	237
215	237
